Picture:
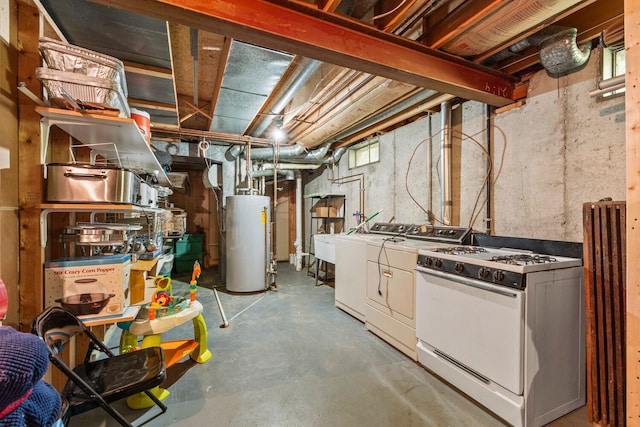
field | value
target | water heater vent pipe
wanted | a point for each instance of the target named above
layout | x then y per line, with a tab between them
445	154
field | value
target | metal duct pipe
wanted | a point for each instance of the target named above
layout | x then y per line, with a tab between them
286	152
559	52
313	160
315	155
297	244
291	166
445	154
311	66
293	153
233	152
286	174
335	156
560	55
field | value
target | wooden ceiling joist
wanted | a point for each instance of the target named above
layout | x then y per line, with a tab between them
334	40
148	70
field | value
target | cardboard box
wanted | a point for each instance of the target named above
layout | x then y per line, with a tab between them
326	211
84	280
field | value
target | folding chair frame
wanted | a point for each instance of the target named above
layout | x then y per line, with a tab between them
74	403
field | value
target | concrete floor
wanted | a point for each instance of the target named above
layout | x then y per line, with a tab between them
290	358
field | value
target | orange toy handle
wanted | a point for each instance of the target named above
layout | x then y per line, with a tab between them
193	285
196	271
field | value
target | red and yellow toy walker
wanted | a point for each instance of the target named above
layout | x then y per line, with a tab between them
164	313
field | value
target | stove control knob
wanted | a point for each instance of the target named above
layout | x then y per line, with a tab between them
498	276
428	261
483	273
438	263
459	267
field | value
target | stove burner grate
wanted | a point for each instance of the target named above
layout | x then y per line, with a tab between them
461	250
523	259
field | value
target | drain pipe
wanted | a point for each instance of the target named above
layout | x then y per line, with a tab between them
298	242
430	163
248	167
273	265
445	154
489	181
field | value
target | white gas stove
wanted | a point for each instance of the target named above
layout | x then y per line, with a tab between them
505	267
504	326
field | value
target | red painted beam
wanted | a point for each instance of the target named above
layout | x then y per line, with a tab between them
304	31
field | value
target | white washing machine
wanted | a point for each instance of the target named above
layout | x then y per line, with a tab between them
375	280
392	254
351	274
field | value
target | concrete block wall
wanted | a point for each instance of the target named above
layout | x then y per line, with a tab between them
559	150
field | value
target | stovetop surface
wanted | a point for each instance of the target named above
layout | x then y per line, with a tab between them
426	232
504	259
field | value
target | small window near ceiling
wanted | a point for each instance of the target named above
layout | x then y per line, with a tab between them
613	65
364	153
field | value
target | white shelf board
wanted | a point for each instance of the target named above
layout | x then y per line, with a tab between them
111	133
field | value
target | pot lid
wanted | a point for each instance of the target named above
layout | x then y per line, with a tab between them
87	285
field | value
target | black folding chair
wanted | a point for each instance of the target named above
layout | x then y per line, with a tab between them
103	377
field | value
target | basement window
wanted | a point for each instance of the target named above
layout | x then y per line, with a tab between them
364	153
613	65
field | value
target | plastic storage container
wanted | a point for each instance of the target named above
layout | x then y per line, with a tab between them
187	251
190	244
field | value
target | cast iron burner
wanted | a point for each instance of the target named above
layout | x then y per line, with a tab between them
461	250
523	259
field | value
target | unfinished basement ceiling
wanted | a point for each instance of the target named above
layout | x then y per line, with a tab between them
327	71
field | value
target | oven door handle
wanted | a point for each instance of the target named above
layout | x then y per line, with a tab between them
468	282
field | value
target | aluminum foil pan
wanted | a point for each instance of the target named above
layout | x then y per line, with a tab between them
84	88
67	57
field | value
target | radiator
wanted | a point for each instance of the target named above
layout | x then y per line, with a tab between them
604	281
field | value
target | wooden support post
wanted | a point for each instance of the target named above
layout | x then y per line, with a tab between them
30	170
632	52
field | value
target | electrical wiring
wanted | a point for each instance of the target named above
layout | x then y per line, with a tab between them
382	15
475	212
495	179
382	249
485	181
504	149
406	180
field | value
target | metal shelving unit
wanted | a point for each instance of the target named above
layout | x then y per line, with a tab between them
107	136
